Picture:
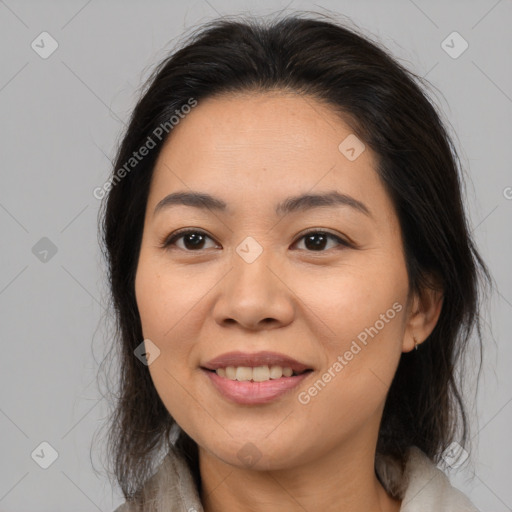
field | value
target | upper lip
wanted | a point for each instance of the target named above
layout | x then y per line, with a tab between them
256	359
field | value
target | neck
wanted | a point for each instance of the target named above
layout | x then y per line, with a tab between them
339	480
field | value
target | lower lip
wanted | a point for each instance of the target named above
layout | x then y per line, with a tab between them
248	392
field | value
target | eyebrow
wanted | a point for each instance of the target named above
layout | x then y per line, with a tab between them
291	204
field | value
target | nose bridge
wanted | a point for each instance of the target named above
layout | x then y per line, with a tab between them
252	265
252	291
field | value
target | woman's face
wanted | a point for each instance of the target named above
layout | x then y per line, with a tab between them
248	281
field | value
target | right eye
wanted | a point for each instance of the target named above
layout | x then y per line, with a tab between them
193	240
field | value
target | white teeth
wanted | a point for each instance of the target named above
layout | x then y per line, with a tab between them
260	373
257	374
230	372
287	372
243	373
276	372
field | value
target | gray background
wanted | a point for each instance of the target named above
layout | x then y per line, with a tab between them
61	118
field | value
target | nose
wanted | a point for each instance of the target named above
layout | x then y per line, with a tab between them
254	295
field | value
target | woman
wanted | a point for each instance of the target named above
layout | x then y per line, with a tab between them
293	278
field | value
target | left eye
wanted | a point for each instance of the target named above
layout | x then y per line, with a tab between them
194	240
318	239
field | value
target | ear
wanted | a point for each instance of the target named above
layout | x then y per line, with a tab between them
423	314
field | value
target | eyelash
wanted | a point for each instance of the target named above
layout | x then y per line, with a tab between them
169	240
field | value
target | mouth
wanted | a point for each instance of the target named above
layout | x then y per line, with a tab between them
253	379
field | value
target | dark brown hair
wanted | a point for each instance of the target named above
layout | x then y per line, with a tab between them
387	108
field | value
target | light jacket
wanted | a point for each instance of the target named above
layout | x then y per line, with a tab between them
422	486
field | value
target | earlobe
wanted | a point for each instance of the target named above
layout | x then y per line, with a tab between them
423	317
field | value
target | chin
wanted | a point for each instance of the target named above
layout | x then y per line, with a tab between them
257	454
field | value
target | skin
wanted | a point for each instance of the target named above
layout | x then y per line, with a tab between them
252	151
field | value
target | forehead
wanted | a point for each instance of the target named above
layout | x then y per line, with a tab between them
264	146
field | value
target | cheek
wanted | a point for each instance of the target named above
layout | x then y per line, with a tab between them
361	361
170	310
360	309
354	298
165	297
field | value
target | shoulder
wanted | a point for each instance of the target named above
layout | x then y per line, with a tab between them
171	488
421	486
